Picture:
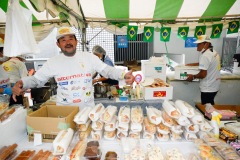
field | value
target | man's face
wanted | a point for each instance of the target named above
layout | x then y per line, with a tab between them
200	46
67	44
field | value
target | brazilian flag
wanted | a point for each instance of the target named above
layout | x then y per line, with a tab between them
183	32
233	27
199	30
148	34
216	30
165	34
132	32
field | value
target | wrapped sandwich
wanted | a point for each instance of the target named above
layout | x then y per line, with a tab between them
154	115
124	114
108	114
96	112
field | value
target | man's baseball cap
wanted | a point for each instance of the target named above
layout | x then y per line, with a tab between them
62	31
203	38
1	42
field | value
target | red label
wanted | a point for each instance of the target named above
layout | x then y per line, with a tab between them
76	100
159	93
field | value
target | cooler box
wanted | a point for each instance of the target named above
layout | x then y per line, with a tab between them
153	69
150	93
182	71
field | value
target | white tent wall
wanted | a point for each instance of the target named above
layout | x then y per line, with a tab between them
177	46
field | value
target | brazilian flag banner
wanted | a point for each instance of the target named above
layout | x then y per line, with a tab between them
233	27
199	30
148	34
132	32
165	34
216	30
183	32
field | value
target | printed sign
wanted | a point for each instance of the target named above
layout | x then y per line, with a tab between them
159	94
189	42
122	42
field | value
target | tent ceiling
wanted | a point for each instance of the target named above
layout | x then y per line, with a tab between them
107	13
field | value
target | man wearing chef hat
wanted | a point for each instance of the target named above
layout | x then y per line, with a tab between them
209	66
72	71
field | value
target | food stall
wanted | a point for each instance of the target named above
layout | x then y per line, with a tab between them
154	120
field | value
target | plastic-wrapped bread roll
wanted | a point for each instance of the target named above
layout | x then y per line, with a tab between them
137	154
167	120
189	136
149	127
135	135
62	141
84	127
121	134
110	135
82	116
154	115
162	137
78	150
136	127
111	126
147	135
124	114
122	126
83	135
96	112
170	109
136	114
174	136
161	128
205	126
177	129
192	128
185	108
197	119
96	135
183	121
97	125
174	154
108	114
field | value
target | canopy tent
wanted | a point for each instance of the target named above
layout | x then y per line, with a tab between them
115	15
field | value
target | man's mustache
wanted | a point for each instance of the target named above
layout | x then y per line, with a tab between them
68	45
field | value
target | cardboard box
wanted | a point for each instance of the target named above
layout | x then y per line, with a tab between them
150	93
153	69
181	72
50	119
13	129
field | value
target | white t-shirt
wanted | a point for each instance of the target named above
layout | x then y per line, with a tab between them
15	69
74	77
4	80
210	61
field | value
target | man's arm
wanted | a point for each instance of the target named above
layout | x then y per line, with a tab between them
202	74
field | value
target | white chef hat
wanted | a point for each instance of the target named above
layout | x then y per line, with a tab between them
203	38
62	31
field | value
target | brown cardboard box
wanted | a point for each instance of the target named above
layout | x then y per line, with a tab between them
50	119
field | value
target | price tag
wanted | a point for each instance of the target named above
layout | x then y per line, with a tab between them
138	78
37	139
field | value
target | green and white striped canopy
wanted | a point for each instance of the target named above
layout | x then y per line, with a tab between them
112	13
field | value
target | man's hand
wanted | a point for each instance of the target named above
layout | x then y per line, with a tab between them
190	78
17	90
129	78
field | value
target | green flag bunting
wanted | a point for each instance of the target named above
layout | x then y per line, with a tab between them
183	32
216	30
132	32
165	34
233	27
199	30
148	34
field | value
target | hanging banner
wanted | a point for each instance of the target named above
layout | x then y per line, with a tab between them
122	42
183	32
165	34
132	32
216	30
233	27
148	34
189	43
199	30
